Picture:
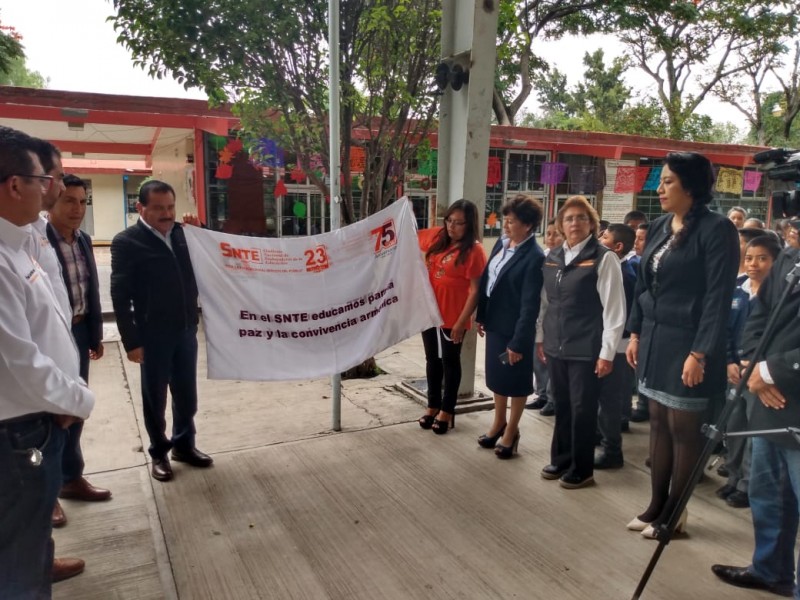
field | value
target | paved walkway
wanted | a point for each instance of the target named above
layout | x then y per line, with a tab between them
379	510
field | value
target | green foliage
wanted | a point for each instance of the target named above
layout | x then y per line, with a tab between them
18	74
270	60
11	50
521	22
687	48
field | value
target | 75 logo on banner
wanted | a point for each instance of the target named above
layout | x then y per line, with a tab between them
385	236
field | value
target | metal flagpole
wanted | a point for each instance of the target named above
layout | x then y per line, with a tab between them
334	169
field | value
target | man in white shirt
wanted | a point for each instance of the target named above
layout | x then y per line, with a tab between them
41	393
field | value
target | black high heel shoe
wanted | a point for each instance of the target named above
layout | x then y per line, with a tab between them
490	441
440	427
426	421
507	451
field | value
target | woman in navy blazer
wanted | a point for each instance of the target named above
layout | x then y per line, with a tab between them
508	305
678	326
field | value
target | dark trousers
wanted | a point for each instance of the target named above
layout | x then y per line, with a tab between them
739	449
541	379
72	463
615	392
575	389
170	361
27	497
442	364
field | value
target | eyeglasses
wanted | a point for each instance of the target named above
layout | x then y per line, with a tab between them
576	219
454	223
46	181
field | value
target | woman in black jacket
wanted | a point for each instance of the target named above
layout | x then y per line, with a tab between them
508	305
678	326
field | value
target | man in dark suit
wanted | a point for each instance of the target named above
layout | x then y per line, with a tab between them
774	490
73	248
154	294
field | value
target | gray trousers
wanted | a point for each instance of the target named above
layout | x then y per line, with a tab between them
541	379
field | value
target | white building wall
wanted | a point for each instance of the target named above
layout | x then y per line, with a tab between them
107	211
169	165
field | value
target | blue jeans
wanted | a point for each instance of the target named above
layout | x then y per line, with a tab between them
774	492
27	497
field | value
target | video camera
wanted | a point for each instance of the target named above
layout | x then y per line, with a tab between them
782	164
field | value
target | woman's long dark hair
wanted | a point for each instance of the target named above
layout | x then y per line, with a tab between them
697	177
466	243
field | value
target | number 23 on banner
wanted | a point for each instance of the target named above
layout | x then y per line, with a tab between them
316	259
385	236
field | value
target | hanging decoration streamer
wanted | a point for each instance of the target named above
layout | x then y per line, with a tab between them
428	164
586	179
268	154
553	173
653	179
494	174
752	180
316	165
280	189
298	175
630	179
729	181
225	156
358	159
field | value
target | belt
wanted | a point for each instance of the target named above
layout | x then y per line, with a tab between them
24	418
78	319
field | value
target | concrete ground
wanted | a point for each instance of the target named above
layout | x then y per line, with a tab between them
381	509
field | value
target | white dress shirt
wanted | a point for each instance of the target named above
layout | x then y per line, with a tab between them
39	370
44	253
612	297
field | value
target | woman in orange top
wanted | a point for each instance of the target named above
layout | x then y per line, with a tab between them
455	259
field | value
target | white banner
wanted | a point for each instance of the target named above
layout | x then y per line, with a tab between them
302	308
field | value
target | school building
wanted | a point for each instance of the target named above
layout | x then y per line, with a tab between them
116	142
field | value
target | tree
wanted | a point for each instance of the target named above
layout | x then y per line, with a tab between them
687	47
270	60
10	47
790	86
20	75
522	22
602	92
747	93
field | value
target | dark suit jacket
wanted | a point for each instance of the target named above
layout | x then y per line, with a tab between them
153	289
94	316
783	348
513	307
689	309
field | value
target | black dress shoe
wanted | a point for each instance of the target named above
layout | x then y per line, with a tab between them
192	456
725	491
552	472
161	469
608	461
738	499
742	577
548	410
640	416
570	481
536	404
